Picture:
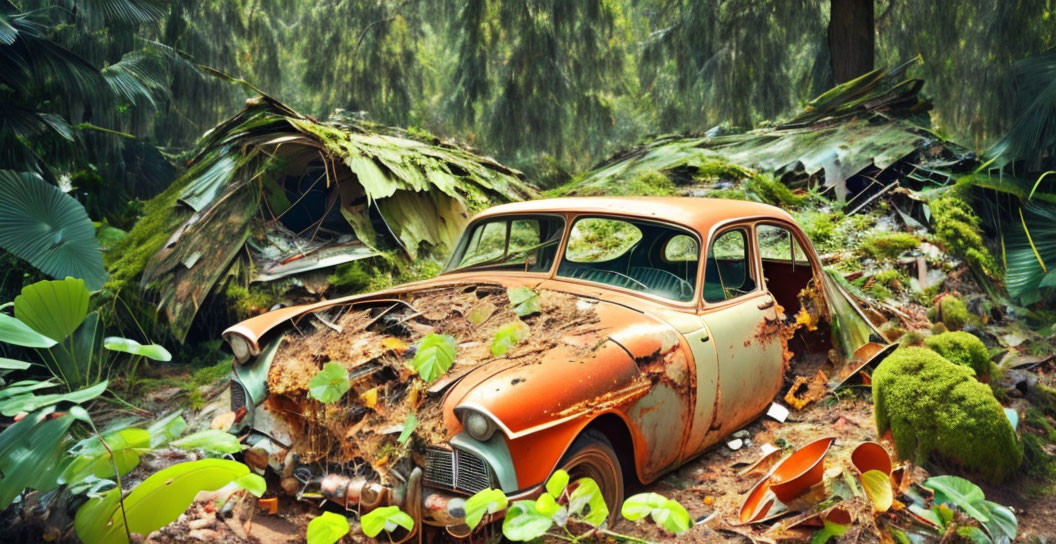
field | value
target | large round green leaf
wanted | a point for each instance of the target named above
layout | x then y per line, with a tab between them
49	229
329	384
156	502
54	308
326	528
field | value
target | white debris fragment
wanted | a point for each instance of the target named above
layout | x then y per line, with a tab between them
735	444
778	412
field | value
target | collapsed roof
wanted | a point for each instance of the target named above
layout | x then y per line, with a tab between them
272	193
853	141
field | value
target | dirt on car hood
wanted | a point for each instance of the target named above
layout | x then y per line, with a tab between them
375	339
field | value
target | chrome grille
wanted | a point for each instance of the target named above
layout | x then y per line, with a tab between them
439	467
458	469
238	396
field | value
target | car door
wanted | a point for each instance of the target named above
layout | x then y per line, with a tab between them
745	330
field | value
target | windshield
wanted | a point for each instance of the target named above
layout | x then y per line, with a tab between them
522	243
637	255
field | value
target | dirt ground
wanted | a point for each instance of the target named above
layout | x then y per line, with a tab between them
711	487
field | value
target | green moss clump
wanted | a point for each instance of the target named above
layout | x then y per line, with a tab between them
772	191
934	407
648	184
883	284
888	245
962	348
248	301
715	169
950	311
381	272
820	227
956	227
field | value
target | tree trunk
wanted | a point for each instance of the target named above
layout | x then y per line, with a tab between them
852	31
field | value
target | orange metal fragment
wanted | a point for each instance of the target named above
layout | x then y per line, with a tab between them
271	504
801	470
871	456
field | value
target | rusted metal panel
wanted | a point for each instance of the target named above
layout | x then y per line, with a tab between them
751	360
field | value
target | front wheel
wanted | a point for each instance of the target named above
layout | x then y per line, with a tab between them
591	456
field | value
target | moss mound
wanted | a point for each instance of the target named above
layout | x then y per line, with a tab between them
962	348
933	406
950	311
888	245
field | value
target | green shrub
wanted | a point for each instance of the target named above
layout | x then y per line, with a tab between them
936	408
962	348
950	311
888	245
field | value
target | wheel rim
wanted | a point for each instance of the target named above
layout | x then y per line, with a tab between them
595	464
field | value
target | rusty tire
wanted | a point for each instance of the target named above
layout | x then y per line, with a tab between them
592	456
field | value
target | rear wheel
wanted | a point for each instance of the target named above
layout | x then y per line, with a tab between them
591	456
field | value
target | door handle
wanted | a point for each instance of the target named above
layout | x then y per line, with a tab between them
768	304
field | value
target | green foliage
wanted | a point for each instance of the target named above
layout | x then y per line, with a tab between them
329	384
934	407
888	245
956	227
828	531
249	301
408	428
524	301
488	501
434	355
48	228
155	502
820	227
1030	242
772	191
950	311
507	336
327	528
666	513
999	521
212	441
124	345
386	518
14	331
90	458
877	486
53	308
962	348
524	522
31	453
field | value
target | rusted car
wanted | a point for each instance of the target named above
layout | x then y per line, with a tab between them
659	327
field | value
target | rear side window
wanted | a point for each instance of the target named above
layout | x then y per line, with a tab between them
777	244
727	272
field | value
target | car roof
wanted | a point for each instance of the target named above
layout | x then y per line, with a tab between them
699	214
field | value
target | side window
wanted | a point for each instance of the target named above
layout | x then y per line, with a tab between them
777	244
727	272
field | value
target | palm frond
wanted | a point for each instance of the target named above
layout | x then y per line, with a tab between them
1032	138
140	75
49	229
1031	252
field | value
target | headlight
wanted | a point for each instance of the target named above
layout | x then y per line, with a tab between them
478	425
240	347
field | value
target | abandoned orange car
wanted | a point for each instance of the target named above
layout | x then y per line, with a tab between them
635	334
